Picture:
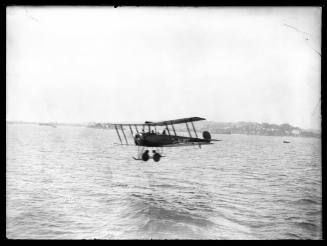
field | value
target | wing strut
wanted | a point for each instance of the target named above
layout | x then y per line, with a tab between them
122	129
173	129
196	135
131	131
118	134
188	129
136	129
167	129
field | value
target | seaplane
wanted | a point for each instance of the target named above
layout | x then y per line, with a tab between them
148	136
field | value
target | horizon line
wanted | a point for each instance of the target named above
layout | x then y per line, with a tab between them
87	122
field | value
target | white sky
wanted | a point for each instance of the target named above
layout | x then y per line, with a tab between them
81	64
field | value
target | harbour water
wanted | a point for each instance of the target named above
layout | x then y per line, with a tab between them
75	183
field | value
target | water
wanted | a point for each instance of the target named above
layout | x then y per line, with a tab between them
74	183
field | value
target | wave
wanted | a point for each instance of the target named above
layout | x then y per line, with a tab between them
306	201
306	225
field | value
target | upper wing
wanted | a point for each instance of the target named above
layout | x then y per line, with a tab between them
177	121
161	123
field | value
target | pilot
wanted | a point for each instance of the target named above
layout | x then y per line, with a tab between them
152	132
164	132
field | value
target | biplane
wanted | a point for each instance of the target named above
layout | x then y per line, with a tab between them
147	136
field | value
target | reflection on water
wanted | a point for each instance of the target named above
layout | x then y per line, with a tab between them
73	182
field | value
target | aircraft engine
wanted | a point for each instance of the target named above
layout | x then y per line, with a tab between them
137	139
206	135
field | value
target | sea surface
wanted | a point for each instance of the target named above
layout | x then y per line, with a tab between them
76	183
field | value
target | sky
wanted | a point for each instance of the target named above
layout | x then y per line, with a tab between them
132	64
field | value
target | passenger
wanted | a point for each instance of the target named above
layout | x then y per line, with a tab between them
155	152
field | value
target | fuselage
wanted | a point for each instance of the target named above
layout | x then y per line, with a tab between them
160	140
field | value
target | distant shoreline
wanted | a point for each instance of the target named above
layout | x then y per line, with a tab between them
242	128
46	123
